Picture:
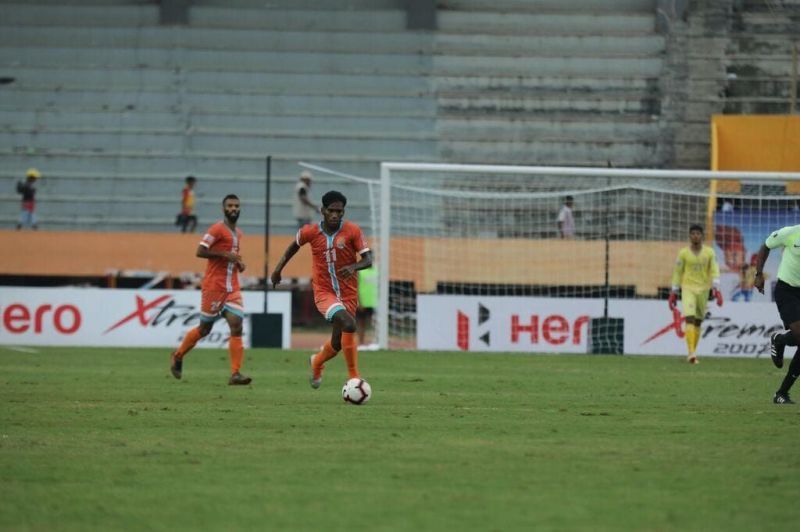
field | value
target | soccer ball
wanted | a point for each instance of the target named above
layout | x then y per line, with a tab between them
356	392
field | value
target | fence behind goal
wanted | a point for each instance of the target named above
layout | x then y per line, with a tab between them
488	237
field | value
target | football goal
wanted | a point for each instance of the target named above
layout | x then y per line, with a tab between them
458	246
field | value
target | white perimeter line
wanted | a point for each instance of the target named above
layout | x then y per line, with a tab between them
20	349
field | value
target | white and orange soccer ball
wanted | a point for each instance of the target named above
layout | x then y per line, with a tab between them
356	392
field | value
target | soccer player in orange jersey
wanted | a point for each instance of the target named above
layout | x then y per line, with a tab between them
336	246
220	294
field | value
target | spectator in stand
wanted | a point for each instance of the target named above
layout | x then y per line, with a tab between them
187	220
566	221
27	189
302	207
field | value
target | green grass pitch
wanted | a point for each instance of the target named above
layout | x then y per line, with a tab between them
106	439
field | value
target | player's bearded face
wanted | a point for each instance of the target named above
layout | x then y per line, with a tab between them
232	211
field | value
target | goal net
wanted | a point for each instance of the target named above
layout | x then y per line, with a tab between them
481	257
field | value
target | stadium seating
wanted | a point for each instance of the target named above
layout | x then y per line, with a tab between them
116	109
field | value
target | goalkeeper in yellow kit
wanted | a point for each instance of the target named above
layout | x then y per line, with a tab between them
696	271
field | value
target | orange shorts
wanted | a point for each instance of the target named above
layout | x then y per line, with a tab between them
329	304
215	302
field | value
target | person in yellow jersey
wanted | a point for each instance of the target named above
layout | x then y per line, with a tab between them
787	298
696	271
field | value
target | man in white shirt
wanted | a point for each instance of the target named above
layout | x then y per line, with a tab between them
302	207
566	222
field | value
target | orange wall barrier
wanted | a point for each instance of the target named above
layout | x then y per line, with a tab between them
425	261
95	253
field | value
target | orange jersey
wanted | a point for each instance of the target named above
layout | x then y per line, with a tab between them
187	201
329	253
221	274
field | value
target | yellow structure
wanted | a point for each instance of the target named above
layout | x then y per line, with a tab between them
761	143
764	143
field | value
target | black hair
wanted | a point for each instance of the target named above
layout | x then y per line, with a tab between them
696	227
191	179
569	198
332	197
229	196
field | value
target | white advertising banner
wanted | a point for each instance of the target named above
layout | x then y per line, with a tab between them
561	325
120	318
496	323
735	329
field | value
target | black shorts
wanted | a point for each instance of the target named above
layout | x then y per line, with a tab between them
787	297
366	312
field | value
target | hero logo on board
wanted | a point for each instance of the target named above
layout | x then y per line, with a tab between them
553	329
19	318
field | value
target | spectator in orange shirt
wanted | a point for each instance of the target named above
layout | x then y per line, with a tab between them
186	220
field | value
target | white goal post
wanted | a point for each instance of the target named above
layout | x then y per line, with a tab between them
493	231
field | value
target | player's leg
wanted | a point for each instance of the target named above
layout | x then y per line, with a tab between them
317	360
782	395
189	341
233	312
347	324
778	343
787	298
692	333
701	302
788	303
327	304
210	304
691	330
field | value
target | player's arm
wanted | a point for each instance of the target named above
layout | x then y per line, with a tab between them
677	273
363	264
761	259
774	240
204	252
290	252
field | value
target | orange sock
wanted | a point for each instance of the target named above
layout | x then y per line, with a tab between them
326	353
236	351
350	348
188	342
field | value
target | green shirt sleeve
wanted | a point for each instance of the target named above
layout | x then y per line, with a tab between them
778	238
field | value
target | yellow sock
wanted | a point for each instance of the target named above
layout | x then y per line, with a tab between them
696	337
690	334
